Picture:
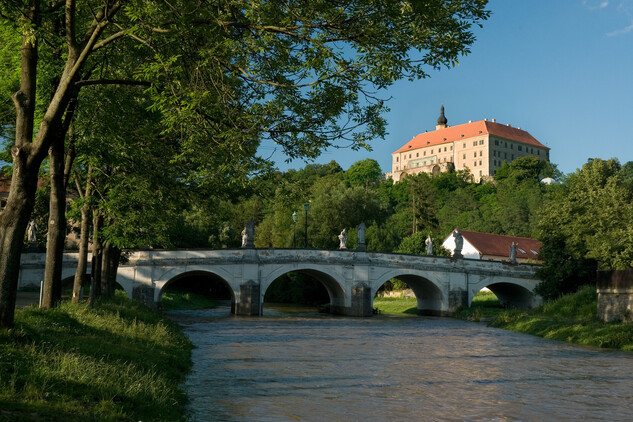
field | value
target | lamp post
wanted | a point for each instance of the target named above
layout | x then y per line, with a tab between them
294	239
306	205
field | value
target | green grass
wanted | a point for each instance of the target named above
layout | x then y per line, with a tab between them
484	306
571	318
117	361
396	306
174	300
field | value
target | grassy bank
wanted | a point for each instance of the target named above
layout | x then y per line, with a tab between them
571	318
176	301
485	306
396	305
118	361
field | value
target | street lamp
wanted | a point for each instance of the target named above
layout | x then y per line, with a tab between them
294	239
306	205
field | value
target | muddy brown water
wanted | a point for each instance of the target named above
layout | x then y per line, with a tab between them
313	367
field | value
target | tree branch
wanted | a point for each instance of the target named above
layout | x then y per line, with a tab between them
111	82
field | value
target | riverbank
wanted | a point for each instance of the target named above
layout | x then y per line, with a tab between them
571	318
117	361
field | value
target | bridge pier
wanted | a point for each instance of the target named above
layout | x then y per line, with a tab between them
361	301
249	303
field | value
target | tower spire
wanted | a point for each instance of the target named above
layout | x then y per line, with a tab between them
442	123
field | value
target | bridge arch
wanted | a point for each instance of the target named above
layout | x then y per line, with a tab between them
512	294
211	275
329	279
428	292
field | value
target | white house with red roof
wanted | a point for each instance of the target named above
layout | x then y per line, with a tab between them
495	247
482	147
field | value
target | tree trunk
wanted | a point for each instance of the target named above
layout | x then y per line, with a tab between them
56	227
97	248
26	163
13	222
111	258
82	260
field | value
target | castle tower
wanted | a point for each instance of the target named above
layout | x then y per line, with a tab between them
442	123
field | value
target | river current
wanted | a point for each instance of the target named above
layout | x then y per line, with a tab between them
313	367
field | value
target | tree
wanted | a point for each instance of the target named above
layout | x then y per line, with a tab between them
586	224
223	77
363	173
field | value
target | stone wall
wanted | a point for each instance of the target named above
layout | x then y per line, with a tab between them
615	295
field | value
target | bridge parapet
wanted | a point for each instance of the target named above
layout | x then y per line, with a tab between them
350	277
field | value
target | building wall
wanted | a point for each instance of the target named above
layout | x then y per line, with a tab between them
483	155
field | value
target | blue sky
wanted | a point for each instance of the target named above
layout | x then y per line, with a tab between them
562	70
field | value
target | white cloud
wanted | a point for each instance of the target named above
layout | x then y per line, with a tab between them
624	30
595	5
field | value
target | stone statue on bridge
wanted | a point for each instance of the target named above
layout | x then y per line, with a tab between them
361	237
429	245
32	236
342	239
459	243
32	232
513	253
248	235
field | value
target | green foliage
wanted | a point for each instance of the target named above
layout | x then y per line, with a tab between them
363	172
396	305
118	361
176	300
571	318
297	288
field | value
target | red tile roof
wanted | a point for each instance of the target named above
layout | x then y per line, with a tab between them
470	130
499	245
5	184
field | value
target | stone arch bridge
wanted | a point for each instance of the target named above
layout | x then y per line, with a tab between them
351	278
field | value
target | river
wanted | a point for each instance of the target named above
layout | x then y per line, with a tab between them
313	367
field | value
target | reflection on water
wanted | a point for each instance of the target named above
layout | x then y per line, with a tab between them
315	367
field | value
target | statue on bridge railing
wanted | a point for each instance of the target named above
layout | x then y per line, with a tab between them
342	239
32	232
248	235
32	236
429	245
513	253
361	236
459	243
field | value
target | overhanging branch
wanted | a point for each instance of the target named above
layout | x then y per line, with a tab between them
111	82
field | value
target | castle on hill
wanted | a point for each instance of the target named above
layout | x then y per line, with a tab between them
482	147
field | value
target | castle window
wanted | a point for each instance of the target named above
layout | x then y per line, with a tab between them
444	149
538	152
475	143
431	151
464	156
451	147
417	154
475	164
475	154
497	142
481	142
520	148
464	145
481	153
511	146
479	162
424	153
